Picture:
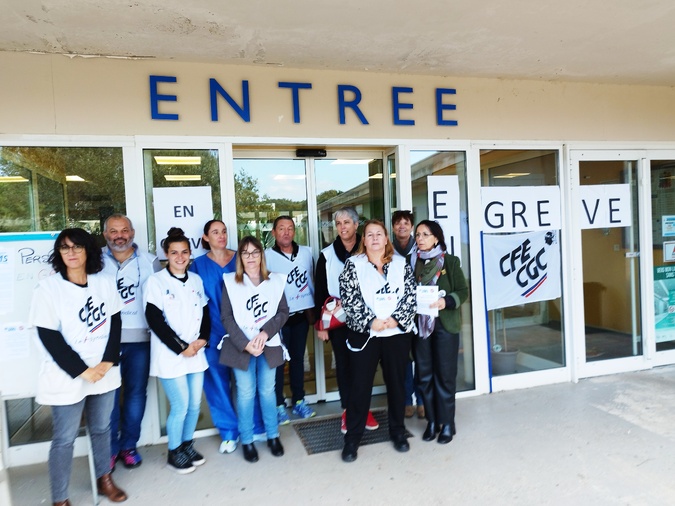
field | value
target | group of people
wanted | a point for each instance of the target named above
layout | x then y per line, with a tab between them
113	317
374	280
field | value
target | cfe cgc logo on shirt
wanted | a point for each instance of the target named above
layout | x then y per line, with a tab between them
93	316
297	278
128	292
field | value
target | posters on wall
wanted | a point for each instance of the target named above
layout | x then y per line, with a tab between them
664	303
188	208
27	262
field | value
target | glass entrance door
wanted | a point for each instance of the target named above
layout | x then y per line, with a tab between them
309	190
608	210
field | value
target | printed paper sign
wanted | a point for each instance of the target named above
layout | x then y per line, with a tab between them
443	200
605	206
520	208
185	207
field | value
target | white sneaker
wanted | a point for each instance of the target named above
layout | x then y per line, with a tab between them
227	446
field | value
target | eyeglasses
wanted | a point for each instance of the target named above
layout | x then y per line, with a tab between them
422	234
77	248
248	254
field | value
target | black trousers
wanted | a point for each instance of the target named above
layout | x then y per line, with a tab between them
338	341
436	372
392	353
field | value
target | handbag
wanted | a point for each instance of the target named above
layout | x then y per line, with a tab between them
332	317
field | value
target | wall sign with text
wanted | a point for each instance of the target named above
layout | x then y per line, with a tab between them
189	208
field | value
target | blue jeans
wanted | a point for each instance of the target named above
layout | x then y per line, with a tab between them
218	391
295	340
65	426
185	396
261	379
135	369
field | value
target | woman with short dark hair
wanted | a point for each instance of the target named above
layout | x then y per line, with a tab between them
77	315
437	343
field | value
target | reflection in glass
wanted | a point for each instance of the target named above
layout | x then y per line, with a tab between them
611	273
265	189
448	163
176	168
49	189
341	183
527	337
45	188
663	212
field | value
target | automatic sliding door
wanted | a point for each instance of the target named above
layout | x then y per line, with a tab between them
358	183
265	189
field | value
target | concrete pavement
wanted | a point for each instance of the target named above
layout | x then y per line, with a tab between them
604	441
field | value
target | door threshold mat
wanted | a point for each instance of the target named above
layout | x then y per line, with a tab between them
323	434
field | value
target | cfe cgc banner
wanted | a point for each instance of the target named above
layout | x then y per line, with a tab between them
521	268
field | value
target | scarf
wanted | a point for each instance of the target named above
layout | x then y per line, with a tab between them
406	250
428	274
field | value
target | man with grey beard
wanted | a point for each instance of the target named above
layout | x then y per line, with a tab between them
131	268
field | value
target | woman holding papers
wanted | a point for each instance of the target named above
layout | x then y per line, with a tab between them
437	344
378	296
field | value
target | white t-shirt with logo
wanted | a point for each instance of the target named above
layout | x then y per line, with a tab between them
82	315
182	305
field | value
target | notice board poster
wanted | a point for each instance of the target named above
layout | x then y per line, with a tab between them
188	208
664	303
24	261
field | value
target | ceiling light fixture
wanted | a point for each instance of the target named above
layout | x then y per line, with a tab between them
511	175
178	160
182	177
13	179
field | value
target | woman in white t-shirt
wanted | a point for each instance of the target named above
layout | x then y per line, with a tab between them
77	315
178	317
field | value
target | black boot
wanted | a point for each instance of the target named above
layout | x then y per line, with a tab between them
445	435
349	452
430	433
275	446
250	453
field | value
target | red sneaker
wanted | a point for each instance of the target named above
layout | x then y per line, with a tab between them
371	423
343	424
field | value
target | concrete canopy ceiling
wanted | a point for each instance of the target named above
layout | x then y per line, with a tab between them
610	41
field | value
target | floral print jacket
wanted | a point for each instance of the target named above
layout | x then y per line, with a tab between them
360	316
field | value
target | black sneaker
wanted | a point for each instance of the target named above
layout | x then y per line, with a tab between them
179	461
195	457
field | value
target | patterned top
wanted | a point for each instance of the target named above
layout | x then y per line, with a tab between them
359	315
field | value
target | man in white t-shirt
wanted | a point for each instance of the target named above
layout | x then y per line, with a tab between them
131	268
297	264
